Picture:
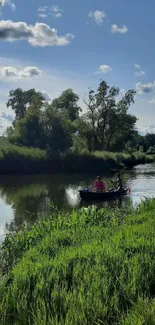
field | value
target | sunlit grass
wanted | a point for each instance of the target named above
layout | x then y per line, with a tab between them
8	150
90	267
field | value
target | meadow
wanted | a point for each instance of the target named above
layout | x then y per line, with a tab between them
88	267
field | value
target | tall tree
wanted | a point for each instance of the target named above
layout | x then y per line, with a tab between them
106	125
51	128
28	131
68	101
20	100
58	130
107	117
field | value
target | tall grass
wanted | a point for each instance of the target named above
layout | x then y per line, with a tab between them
90	267
15	159
22	160
100	162
10	150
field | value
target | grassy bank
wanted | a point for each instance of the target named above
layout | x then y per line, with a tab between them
102	161
91	267
20	160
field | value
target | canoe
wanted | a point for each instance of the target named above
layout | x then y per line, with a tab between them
93	196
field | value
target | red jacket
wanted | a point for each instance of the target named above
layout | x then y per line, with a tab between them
99	185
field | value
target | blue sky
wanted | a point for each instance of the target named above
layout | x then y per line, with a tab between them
92	40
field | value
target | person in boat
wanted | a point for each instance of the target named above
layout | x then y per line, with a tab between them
118	183
99	186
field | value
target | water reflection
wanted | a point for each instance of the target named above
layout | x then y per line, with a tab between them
120	202
72	195
24	198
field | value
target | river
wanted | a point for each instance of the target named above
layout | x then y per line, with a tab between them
24	198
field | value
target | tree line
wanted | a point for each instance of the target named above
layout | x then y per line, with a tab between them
61	126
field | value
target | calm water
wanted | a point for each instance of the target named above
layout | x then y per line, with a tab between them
24	198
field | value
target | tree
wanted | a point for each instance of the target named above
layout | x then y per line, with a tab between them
28	131
68	101
58	126
83	137
124	131
51	128
57	130
20	100
108	118
149	141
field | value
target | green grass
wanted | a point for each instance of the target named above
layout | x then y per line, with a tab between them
90	267
99	162
10	150
119	157
22	160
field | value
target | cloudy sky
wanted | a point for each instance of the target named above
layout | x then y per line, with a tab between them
52	46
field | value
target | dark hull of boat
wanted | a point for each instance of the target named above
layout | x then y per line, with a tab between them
92	196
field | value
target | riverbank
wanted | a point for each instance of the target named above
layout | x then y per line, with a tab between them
20	160
90	267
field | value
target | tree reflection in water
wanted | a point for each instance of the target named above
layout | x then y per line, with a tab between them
30	196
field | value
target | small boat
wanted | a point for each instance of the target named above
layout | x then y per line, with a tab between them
87	195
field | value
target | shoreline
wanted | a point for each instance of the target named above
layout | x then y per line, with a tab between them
25	161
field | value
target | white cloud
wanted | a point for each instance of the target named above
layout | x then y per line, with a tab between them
44	16
152	101
137	66
145	88
29	72
46	95
4	123
121	30
45	11
140	73
145	128
122	92
10	72
2	3
42	9
56	11
98	16
9	3
105	68
57	15
7	117
13	6
38	35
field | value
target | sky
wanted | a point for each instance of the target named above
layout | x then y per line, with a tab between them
54	45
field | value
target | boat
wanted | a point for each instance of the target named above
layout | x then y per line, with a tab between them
87	195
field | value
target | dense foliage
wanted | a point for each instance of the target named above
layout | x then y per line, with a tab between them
104	123
41	125
62	125
91	267
69	138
